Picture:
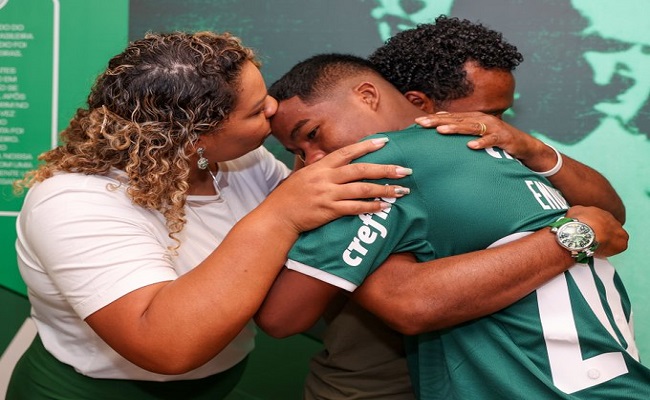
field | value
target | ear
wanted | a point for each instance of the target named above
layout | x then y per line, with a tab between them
368	93
421	101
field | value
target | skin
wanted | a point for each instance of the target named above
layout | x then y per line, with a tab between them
493	94
164	327
431	295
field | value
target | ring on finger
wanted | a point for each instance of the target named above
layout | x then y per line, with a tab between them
483	128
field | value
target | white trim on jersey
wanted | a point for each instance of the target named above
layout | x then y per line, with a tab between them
321	275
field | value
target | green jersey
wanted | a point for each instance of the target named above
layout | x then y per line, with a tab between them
569	339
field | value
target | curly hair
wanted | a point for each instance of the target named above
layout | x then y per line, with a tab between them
431	57
145	111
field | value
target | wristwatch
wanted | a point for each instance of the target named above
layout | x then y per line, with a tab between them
575	236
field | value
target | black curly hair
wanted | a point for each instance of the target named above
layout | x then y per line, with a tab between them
431	57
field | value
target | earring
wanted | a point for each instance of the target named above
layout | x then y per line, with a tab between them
202	162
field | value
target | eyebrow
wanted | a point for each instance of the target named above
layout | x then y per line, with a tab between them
258	104
297	127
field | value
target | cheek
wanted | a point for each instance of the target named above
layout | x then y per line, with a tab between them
260	127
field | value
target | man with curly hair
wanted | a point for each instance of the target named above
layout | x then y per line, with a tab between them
465	69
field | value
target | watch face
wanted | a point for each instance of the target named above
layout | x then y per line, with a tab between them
575	236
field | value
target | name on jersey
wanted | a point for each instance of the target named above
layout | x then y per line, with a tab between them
547	197
372	229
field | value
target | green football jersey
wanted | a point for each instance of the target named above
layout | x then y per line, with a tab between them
569	339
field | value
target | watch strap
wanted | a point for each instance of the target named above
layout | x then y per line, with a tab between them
580	256
560	221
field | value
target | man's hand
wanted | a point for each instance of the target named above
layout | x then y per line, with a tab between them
610	235
493	132
578	183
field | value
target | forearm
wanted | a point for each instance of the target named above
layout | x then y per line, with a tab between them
580	184
294	304
452	290
177	326
583	185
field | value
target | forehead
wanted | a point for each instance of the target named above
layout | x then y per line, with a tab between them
252	87
292	114
494	89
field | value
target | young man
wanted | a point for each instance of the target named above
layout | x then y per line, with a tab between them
463	201
457	66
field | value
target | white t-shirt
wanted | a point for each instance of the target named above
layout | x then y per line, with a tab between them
82	245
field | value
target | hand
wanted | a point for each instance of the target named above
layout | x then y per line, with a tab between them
578	183
610	235
329	189
493	132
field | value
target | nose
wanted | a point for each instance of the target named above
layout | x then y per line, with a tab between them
313	156
271	107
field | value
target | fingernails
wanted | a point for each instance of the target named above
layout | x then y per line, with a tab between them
402	190
384	205
380	141
403	171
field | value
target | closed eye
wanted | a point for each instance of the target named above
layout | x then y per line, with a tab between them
297	152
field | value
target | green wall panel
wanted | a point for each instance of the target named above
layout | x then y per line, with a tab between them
583	87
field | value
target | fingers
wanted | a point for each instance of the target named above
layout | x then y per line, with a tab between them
359	171
383	196
356	207
348	153
492	132
470	123
610	234
366	191
482	128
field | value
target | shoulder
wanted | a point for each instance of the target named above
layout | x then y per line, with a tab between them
78	186
260	156
259	162
73	196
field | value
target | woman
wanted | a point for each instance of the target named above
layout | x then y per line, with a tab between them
141	280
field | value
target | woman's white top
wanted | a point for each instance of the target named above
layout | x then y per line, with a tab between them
82	244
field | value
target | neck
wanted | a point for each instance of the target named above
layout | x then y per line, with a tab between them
202	181
401	114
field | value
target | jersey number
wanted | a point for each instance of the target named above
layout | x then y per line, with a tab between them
570	372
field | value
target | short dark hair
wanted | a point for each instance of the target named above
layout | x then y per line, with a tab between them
431	57
312	79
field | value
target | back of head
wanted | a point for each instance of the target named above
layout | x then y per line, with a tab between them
316	77
430	58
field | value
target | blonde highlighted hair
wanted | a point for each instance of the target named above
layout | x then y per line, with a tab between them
144	113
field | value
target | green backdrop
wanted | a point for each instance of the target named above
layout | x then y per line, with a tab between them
583	87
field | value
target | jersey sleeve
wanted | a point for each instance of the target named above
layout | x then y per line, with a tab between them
347	250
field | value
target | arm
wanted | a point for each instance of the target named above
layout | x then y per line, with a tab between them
452	290
580	184
176	326
294	304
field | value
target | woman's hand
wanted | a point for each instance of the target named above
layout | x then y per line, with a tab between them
330	188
